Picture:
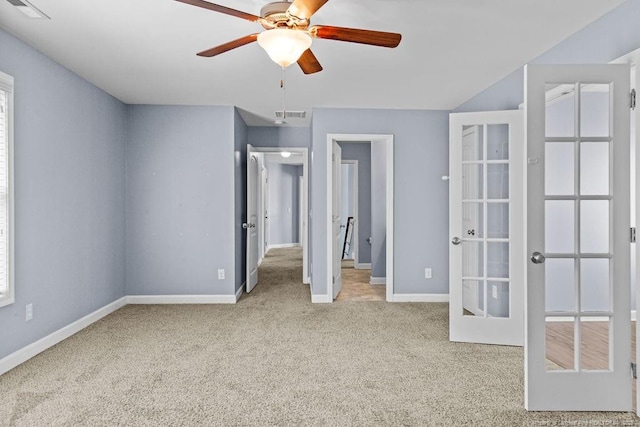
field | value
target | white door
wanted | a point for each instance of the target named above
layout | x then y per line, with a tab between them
252	219
486	227
336	163
578	336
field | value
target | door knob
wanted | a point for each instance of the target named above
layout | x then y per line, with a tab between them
245	225
537	258
456	241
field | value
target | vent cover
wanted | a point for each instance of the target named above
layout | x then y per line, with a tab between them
28	9
291	115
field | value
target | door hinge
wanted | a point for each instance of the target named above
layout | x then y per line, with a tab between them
633	99
633	234
634	371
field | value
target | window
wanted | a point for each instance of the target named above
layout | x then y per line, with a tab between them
6	190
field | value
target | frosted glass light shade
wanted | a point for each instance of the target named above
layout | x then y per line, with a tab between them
284	46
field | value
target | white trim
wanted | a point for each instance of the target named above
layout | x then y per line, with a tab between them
420	298
283	245
634	316
363	266
321	299
378	280
367	138
182	299
20	356
241	290
7	85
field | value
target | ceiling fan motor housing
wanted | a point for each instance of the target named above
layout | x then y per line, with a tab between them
275	15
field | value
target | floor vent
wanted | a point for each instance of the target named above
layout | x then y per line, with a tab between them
291	114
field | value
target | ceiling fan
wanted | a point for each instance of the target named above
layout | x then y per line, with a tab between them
287	37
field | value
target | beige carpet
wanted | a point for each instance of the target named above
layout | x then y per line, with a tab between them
275	359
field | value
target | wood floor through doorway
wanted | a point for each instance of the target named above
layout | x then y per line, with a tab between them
356	286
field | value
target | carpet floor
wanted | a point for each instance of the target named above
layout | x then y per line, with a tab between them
275	359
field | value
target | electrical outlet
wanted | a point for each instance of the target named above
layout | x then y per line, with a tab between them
427	273
29	312
494	291
221	274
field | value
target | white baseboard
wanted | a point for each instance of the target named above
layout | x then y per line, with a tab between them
307	281
378	280
633	315
363	266
321	299
181	299
420	298
284	245
240	291
20	356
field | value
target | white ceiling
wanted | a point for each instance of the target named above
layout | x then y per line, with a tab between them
143	51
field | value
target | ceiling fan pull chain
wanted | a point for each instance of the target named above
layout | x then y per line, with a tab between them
284	94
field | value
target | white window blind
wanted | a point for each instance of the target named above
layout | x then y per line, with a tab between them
6	190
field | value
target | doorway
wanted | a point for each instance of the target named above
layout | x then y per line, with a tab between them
277	205
335	245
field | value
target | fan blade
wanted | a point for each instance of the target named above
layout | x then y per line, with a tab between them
303	9
309	63
375	38
222	9
228	46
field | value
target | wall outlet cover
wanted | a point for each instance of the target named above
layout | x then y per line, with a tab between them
221	274
428	274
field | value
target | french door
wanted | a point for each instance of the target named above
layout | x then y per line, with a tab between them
253	184
486	227
577	339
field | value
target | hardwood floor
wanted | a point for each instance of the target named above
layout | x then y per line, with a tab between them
356	287
595	346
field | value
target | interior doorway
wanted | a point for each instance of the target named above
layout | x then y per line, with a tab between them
277	205
383	248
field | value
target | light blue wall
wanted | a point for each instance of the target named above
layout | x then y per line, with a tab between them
240	193
180	200
613	35
421	220
361	152
272	136
283	202
69	210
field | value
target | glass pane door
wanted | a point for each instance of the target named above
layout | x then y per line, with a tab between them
486	279
578	347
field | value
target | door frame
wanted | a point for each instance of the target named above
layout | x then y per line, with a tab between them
306	279
362	138
354	192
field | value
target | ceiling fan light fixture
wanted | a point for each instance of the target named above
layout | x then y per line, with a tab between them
284	46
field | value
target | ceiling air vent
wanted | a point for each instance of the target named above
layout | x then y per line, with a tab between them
291	115
28	9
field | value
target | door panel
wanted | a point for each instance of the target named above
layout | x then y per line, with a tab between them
253	185
486	226
336	253
577	347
